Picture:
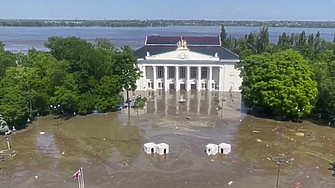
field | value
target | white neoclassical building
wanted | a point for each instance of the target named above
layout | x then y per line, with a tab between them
185	63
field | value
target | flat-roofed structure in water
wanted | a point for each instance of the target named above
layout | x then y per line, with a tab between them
175	62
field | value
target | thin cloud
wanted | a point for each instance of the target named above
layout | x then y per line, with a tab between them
241	8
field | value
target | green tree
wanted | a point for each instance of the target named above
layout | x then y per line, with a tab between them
66	95
6	61
126	66
108	93
14	105
263	40
224	37
2	47
15	95
105	44
284	42
279	84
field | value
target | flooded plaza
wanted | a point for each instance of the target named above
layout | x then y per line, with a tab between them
109	147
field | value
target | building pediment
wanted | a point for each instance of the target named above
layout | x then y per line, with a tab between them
182	55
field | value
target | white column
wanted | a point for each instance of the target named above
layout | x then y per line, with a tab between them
199	101
166	85
209	84
220	78
177	85
199	79
188	98
166	103
177	101
188	75
155	101
209	98
154	72
145	78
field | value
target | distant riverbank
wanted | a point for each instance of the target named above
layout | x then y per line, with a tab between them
162	23
20	39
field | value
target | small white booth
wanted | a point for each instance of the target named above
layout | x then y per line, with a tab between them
212	149
224	148
150	148
162	148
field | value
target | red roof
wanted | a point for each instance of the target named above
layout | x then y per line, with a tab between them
191	41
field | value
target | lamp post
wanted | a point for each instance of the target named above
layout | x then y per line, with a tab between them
280	160
299	111
222	109
53	108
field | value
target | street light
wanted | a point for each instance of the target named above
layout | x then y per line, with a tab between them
54	107
280	160
299	111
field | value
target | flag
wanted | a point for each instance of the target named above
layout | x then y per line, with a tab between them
77	174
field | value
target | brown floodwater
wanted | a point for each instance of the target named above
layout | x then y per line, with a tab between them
109	147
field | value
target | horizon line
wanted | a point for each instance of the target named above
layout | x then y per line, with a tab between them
211	20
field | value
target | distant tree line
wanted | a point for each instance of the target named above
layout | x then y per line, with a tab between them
76	77
293	78
162	23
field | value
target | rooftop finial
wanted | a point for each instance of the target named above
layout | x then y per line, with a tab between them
182	45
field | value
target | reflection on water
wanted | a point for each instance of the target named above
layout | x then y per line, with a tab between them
110	147
166	102
46	143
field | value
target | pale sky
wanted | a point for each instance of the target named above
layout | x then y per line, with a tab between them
169	9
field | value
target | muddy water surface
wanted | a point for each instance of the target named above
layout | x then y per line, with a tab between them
110	148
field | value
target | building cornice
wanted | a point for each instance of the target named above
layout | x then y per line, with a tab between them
184	65
230	60
181	60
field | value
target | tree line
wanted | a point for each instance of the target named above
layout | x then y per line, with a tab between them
293	78
75	77
161	23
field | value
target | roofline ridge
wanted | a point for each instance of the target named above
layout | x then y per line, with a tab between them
183	36
146	39
189	45
230	51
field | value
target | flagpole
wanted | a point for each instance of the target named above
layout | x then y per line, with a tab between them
82	177
79	183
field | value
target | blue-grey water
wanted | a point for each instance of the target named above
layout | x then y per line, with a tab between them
20	39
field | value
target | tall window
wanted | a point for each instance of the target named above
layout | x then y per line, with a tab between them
172	72
203	72
194	72
160	73
182	72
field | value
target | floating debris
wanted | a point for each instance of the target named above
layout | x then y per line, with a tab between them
299	134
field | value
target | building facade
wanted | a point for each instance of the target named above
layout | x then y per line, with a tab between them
185	63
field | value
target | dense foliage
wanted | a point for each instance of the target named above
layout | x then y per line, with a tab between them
75	77
296	76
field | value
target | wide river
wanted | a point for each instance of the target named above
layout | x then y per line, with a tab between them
110	148
20	39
